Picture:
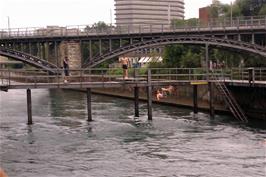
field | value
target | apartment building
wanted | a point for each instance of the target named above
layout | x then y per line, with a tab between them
148	11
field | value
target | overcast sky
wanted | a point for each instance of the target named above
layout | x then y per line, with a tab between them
40	13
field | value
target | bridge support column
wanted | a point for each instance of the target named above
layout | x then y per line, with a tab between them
195	99
212	111
46	51
29	108
71	49
89	104
136	101
149	96
253	38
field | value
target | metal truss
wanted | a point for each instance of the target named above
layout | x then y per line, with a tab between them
166	40
29	59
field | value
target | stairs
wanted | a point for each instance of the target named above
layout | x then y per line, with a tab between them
230	100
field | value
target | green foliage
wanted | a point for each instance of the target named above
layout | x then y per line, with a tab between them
181	23
190	60
239	8
263	10
182	56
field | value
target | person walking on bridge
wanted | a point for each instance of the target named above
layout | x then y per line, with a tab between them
66	68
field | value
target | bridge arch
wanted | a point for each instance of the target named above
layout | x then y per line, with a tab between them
29	59
199	40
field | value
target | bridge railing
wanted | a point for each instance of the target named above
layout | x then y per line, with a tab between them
92	30
241	74
101	76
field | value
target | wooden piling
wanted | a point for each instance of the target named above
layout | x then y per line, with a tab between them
89	104
136	100
195	99
149	95
212	111
29	108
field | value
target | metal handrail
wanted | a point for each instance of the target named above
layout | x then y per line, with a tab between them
92	30
115	74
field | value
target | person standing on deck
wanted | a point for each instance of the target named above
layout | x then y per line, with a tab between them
124	61
66	68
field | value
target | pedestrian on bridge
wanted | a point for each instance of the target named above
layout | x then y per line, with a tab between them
66	68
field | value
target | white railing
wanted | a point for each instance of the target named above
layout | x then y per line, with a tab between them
92	30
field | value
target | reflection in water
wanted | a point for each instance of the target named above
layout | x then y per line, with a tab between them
176	143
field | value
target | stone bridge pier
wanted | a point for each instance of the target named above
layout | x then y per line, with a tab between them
71	50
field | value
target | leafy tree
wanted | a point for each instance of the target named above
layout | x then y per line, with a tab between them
182	56
262	10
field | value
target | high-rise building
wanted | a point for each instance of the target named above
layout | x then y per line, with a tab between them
148	11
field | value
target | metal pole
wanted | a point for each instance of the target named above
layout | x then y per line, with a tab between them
195	98
29	108
149	96
231	14
136	96
8	25
89	104
210	85
207	59
90	46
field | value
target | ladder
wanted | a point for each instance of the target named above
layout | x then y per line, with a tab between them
230	100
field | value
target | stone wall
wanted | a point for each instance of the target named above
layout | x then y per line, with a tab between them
70	49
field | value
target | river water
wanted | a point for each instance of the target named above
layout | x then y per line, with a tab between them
61	143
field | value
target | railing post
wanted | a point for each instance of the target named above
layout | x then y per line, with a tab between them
195	99
89	105
212	114
9	82
207	60
136	101
149	95
29	107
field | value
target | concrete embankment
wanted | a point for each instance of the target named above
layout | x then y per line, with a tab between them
182	96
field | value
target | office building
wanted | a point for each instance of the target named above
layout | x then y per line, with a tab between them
130	12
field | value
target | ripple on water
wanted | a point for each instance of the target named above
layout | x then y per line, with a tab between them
176	143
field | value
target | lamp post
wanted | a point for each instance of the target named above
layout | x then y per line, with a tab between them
231	14
8	25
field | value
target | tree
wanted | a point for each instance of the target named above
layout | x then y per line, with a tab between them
262	10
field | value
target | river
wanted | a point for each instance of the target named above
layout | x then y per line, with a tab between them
62	143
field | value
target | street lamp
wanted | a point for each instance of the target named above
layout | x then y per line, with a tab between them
231	14
8	25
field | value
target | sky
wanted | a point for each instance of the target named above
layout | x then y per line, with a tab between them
42	13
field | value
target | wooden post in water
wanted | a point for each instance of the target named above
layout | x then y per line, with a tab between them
149	95
212	114
195	99
89	104
136	100
29	109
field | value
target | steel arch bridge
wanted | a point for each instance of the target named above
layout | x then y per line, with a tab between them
198	40
29	59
